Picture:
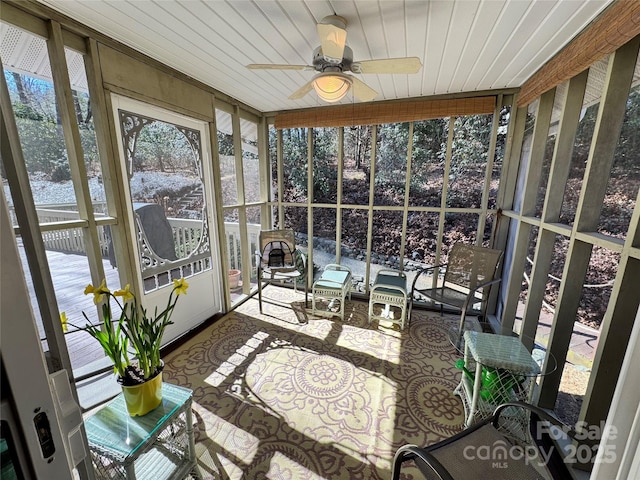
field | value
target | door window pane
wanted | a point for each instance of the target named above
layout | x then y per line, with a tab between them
164	164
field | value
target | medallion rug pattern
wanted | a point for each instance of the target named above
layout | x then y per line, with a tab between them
286	395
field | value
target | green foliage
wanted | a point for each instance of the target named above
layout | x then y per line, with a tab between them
225	143
20	110
470	143
61	171
628	149
429	153
295	159
42	144
134	328
145	333
325	160
584	133
162	147
391	159
114	344
41	136
357	146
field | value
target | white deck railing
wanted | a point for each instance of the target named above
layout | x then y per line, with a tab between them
186	234
232	234
69	240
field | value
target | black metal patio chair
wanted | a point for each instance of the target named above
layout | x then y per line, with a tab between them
469	274
487	450
278	260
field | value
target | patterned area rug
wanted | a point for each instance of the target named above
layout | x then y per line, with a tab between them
286	395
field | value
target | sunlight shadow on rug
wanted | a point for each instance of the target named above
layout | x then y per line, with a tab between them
289	395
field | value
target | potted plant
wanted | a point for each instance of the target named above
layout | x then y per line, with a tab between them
134	329
234	278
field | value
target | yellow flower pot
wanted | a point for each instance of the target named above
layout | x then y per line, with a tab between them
141	399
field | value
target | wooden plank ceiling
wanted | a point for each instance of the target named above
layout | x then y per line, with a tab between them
464	45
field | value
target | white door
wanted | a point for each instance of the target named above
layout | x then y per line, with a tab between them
166	161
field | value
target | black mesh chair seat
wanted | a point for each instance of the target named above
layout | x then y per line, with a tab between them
486	451
278	260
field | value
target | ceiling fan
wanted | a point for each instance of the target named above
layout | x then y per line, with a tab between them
333	58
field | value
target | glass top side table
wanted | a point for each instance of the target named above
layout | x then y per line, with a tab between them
501	351
126	447
499	369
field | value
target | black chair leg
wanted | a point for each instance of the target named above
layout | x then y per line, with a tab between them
260	291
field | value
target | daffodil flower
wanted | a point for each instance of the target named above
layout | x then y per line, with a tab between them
64	320
98	293
134	328
180	286
125	293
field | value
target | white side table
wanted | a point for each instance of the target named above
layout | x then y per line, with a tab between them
389	289
334	284
158	445
513	374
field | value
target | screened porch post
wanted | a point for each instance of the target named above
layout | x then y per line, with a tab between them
528	194
609	354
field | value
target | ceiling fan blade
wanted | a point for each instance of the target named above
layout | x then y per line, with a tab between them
362	91
333	37
388	65
275	66
302	91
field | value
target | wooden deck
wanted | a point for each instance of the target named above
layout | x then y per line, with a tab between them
70	275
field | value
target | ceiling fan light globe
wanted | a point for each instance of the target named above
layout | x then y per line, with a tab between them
332	87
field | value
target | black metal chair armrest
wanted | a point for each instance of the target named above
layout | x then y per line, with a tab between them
428	459
422	458
424	270
472	292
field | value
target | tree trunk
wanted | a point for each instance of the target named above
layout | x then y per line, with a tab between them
22	93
